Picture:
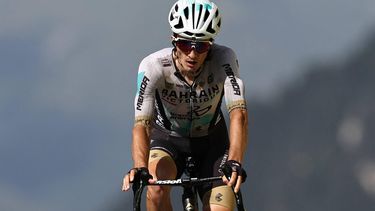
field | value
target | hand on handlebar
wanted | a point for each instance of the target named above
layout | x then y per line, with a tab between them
136	176
234	174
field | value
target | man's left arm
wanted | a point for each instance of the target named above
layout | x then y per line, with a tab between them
234	93
238	134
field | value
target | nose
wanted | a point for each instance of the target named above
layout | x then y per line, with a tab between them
193	53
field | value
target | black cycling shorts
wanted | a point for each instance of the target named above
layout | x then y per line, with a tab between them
209	152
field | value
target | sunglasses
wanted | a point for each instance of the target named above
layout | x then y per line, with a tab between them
187	46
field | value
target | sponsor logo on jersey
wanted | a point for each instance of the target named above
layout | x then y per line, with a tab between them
175	97
166	62
169	85
142	85
228	70
199	111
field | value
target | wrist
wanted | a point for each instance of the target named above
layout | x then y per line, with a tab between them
235	158
140	165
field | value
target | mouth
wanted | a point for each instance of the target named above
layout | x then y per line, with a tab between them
191	63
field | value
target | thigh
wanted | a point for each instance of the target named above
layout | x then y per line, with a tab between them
161	165
173	148
216	193
216	154
219	198
210	167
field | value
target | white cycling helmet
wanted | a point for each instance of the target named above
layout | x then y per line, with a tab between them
195	19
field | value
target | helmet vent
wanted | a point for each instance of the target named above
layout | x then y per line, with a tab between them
189	33
180	25
210	29
186	13
206	15
193	13
200	35
171	17
199	16
194	35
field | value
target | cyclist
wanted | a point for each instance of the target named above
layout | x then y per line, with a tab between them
178	110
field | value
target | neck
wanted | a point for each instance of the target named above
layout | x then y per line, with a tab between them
189	76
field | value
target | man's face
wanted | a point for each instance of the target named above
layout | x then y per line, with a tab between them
191	55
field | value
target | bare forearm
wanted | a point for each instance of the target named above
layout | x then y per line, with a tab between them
238	134
141	146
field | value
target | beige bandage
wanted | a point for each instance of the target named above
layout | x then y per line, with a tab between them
221	195
157	154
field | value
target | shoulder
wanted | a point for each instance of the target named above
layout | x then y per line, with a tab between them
156	65
221	52
222	56
159	58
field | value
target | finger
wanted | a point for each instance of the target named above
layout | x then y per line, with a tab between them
233	179
129	178
152	181
238	184
131	175
225	180
126	183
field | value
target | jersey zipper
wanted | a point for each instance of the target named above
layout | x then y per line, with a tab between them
191	106
191	103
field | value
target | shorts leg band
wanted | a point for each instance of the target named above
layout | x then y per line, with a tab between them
157	154
221	195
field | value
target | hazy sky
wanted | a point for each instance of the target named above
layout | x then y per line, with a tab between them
68	76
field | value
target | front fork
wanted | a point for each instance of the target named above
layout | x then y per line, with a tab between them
189	199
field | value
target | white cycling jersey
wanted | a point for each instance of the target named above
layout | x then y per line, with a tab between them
166	99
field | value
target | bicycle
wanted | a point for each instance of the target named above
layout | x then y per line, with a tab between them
189	196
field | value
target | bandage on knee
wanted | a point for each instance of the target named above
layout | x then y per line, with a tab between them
157	154
221	195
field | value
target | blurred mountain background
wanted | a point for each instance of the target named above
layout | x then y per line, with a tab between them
68	78
313	148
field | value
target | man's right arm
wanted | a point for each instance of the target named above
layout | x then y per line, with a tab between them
147	80
140	151
144	111
140	145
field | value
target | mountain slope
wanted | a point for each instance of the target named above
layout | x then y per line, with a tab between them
314	148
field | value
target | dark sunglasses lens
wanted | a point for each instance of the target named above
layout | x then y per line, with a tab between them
202	47
186	46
